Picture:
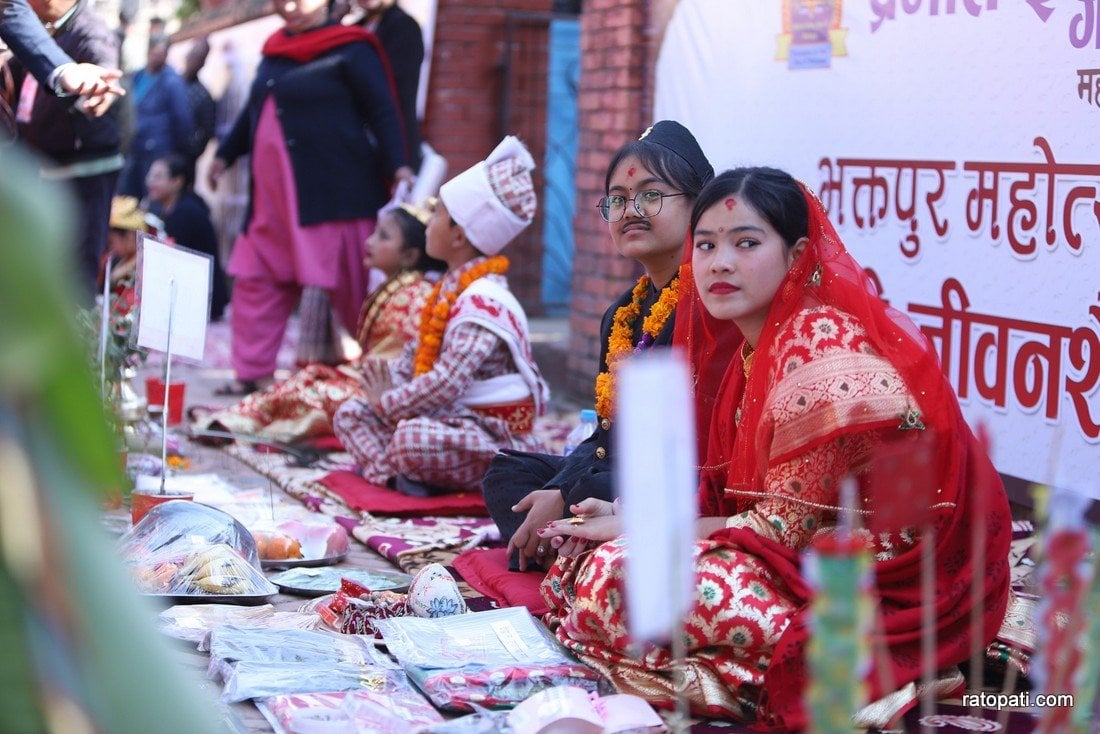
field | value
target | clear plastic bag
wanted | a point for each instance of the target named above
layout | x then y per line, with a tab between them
394	712
247	679
491	659
229	645
189	549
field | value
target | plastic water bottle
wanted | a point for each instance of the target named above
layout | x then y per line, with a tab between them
585	427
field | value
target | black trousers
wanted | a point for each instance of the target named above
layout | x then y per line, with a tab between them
512	475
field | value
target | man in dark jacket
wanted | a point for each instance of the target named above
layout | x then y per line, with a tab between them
403	42
23	33
202	104
163	122
78	148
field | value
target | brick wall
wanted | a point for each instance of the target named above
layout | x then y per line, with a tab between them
488	53
615	106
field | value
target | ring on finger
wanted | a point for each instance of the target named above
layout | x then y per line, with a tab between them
541	550
577	520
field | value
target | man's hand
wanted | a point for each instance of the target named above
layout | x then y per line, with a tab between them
97	105
90	80
541	506
214	172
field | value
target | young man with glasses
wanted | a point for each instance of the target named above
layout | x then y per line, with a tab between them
650	187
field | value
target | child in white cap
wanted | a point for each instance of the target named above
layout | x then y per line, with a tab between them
467	386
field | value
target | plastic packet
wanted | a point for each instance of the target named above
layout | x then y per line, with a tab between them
580	712
490	659
495	637
248	679
233	644
497	686
192	622
277	621
294	539
189	549
482	721
398	711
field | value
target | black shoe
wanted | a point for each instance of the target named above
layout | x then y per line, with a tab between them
413	488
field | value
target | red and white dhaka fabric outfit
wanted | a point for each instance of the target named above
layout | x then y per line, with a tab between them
302	406
434	428
742	605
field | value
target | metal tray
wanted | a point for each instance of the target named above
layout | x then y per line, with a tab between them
277	563
319	581
242	599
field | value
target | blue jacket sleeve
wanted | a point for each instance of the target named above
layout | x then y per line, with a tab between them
181	118
24	33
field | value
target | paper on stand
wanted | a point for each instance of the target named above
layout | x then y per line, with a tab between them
655	475
160	266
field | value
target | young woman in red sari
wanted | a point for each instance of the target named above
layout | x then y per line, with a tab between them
827	376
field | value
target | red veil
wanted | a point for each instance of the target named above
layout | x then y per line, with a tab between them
825	274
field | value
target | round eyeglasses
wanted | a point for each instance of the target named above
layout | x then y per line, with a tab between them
646	203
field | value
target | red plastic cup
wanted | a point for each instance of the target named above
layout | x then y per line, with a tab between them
154	394
143	500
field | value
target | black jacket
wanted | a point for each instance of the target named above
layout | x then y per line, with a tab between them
189	226
56	128
22	31
587	471
403	41
341	127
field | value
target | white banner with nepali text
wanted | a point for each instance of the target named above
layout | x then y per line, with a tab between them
956	146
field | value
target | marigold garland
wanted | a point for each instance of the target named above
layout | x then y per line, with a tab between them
620	342
437	311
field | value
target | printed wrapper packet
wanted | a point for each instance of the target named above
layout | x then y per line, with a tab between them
492	659
230	645
393	712
245	679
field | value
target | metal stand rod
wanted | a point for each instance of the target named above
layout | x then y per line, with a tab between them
104	325
167	386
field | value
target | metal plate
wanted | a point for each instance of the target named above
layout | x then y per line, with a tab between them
277	563
242	599
319	581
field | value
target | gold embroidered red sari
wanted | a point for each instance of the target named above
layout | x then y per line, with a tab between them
836	375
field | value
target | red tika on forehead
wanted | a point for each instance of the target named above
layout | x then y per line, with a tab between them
630	171
730	204
901	483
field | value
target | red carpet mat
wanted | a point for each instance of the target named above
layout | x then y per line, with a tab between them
359	494
486	570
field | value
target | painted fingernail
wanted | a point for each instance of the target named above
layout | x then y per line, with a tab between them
540	531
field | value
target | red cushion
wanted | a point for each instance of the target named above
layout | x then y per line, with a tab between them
359	494
325	443
486	569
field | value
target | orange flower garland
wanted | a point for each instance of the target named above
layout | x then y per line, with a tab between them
437	311
620	343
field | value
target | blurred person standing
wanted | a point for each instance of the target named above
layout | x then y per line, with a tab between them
202	104
403	41
162	121
324	132
23	33
78	148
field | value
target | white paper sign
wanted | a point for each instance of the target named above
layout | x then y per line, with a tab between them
655	475
955	146
173	282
